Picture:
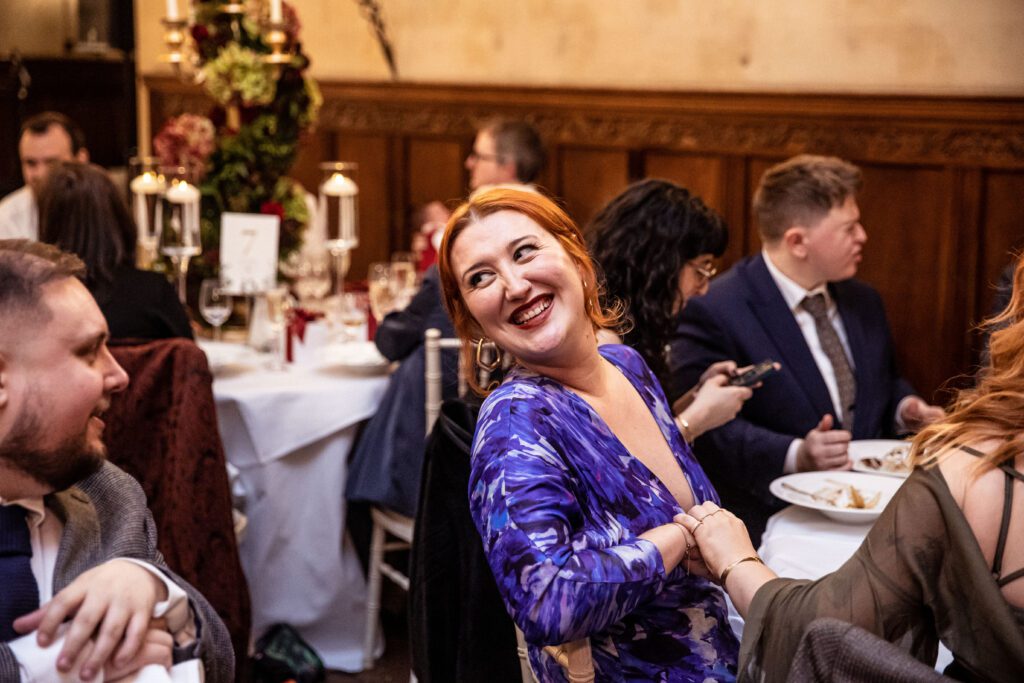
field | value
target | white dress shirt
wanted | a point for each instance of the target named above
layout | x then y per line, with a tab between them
794	294
19	215
45	531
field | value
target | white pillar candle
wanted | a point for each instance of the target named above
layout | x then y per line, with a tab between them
338	196
172	9
275	10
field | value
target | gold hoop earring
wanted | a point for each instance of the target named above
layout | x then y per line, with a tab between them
489	367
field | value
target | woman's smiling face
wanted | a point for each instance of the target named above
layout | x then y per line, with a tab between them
521	286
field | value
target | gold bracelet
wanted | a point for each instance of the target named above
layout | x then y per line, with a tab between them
684	429
725	572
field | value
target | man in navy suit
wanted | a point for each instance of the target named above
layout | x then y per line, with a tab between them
796	303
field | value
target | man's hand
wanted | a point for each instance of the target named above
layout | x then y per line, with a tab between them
158	648
111	604
916	413
824	448
722	367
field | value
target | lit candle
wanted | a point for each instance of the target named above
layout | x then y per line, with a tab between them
275	10
172	9
338	210
339	185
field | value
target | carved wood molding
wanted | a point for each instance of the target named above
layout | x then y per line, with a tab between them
986	132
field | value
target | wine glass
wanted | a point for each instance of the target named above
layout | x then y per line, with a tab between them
403	275
381	290
278	305
311	274
214	304
353	317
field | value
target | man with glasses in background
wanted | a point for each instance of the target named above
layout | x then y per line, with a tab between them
505	152
797	303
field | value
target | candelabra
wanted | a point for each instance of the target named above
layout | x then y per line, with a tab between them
176	29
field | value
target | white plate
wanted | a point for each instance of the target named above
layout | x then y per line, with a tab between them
812	482
358	358
875	448
226	359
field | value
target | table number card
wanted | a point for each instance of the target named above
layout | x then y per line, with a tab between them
248	252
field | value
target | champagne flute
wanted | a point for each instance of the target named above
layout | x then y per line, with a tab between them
214	305
382	291
403	270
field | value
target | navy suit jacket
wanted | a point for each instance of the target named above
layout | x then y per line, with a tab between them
744	318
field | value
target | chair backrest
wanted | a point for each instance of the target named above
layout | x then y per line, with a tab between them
163	431
433	345
574	657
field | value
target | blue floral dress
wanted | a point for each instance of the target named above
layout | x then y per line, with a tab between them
559	503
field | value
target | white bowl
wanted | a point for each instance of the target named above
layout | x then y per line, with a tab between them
812	482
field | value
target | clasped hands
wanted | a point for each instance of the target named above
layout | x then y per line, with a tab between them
112	628
715	537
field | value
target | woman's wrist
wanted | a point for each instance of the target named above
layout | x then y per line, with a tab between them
690	423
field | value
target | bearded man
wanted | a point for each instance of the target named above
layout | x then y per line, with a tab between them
83	588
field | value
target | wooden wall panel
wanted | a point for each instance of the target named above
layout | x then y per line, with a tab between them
1002	230
702	175
376	225
911	242
590	178
943	201
435	171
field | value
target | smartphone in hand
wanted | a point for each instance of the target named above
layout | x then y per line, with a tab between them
754	375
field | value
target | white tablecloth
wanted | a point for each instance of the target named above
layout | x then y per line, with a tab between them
799	543
289	434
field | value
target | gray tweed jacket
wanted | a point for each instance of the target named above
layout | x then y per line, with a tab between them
105	517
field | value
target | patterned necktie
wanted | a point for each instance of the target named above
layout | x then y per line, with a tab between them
19	593
833	348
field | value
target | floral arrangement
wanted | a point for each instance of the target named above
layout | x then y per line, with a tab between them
186	140
245	147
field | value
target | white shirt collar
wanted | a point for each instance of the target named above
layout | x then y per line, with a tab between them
792	292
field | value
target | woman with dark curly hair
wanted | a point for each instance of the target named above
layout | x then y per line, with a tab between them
656	243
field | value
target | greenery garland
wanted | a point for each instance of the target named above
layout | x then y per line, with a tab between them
260	113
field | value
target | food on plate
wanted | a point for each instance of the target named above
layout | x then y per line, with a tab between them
840	495
895	461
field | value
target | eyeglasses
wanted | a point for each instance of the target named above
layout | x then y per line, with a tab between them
479	156
705	271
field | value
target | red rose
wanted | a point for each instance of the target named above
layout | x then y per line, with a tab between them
272	208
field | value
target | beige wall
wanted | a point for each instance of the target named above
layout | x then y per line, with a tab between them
885	46
36	28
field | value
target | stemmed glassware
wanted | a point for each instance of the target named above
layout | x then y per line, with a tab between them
353	317
403	277
311	275
381	289
214	304
180	239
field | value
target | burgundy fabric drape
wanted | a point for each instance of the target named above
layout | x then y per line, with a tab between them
163	431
